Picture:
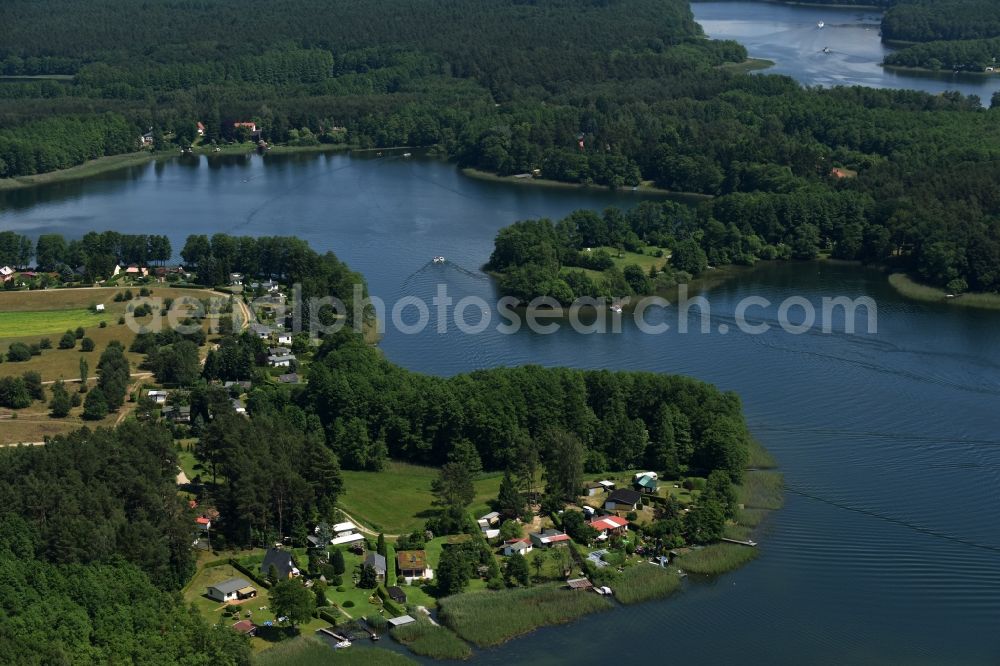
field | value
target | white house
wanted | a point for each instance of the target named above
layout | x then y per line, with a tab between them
157	396
99	307
282	361
517	546
491	533
284	338
231	590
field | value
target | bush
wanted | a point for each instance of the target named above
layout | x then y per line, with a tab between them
67	341
36	349
121	320
87	345
18	352
348	604
103	324
45	343
341	588
80	332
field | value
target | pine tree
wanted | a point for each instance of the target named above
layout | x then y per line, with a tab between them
337	560
510	502
61	403
380	545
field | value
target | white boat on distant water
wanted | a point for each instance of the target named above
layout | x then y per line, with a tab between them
438	260
343	644
821	25
407	154
617	309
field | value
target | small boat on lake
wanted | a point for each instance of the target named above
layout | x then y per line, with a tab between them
821	25
407	154
438	260
343	644
617	309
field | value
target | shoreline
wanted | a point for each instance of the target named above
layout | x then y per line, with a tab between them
910	288
932	73
110	163
815	5
479	174
748	65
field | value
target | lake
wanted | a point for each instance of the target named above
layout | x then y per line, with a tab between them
888	548
789	36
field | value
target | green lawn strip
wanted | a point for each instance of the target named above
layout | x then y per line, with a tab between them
491	618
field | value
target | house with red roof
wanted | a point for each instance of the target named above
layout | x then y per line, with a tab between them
609	525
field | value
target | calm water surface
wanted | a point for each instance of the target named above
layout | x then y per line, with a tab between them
789	36
888	550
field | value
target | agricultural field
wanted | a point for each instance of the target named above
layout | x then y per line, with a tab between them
29	316
33	424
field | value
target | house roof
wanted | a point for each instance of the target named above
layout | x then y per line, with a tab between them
579	584
203	520
401	620
647	482
280	559
594	484
280	359
624	496
290	378
231	585
608	523
518	545
376	561
347	526
492	515
410	560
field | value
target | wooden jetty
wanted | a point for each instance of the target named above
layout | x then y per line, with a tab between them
330	632
752	544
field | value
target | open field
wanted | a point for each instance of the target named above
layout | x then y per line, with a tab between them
33	423
398	499
29	316
491	618
309	651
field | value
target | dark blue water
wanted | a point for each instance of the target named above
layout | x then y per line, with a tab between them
888	549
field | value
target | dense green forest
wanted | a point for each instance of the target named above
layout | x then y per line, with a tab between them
93	539
969	55
959	35
371	408
933	20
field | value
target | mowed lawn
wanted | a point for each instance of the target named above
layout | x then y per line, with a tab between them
398	499
29	316
22	324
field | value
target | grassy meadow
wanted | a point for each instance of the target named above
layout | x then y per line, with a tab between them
398	499
29	316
